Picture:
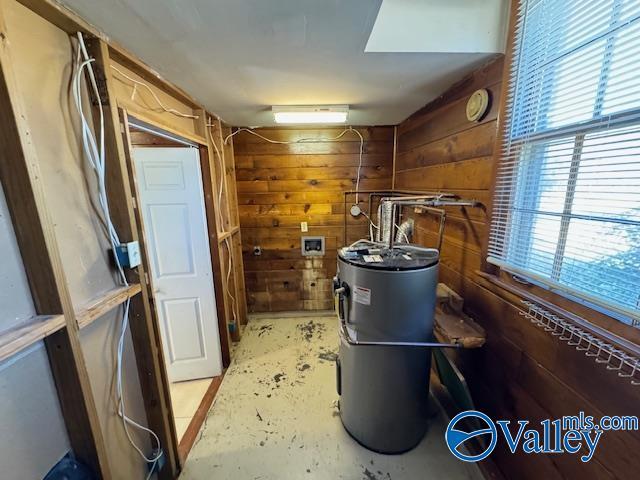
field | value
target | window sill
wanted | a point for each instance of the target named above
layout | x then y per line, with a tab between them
617	333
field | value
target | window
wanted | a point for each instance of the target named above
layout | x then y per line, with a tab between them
567	197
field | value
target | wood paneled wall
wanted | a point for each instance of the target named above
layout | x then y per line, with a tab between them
281	185
522	372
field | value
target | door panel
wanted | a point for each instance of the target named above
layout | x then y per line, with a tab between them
172	206
186	312
171	234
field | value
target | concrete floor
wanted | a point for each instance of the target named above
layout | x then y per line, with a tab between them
275	416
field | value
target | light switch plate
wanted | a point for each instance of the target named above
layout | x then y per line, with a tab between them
304	227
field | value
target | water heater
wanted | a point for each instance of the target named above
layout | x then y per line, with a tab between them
386	302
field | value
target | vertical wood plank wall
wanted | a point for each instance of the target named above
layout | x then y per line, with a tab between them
280	186
522	372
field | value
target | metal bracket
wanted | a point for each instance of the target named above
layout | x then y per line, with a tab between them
346	336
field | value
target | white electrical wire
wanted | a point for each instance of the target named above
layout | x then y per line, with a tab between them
226	240
371	226
233	299
95	153
220	172
311	139
155	97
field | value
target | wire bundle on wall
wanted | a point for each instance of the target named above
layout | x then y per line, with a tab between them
226	240
135	82
311	139
95	154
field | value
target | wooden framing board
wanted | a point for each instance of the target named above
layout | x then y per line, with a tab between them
21	180
143	318
150	343
209	196
70	22
214	250
189	438
210	185
234	243
225	235
106	303
219	205
20	337
144	102
57	321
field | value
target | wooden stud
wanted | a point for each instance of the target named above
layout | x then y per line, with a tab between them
210	188
144	328
234	243
21	180
216	259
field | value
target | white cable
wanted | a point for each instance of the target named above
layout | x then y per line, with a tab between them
311	139
155	97
371	226
233	299
96	157
220	172
226	240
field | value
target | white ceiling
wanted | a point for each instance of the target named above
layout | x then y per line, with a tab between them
444	26
239	57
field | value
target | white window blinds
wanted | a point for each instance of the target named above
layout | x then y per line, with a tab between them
566	206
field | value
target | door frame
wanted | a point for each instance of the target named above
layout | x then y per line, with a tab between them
207	175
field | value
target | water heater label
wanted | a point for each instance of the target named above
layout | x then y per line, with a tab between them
362	295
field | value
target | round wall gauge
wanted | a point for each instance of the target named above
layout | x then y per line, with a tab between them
477	105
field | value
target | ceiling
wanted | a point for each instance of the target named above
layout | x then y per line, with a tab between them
239	57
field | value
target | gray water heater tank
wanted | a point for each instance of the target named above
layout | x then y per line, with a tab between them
384	390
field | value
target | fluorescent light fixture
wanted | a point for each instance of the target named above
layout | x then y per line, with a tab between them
311	114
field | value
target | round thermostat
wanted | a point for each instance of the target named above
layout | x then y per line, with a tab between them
477	105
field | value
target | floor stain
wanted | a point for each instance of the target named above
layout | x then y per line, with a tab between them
276	416
369	475
265	329
329	356
312	330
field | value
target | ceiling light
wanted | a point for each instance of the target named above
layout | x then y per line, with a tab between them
311	114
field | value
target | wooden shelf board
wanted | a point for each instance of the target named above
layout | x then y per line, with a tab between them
33	330
451	324
224	235
105	304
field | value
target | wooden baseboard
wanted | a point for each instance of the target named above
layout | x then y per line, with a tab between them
191	434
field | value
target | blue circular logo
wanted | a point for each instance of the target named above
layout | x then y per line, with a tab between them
456	438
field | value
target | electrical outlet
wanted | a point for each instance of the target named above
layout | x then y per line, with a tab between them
129	254
304	227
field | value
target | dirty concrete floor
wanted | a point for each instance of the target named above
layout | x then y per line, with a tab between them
275	416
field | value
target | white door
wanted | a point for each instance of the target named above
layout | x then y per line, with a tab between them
172	205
